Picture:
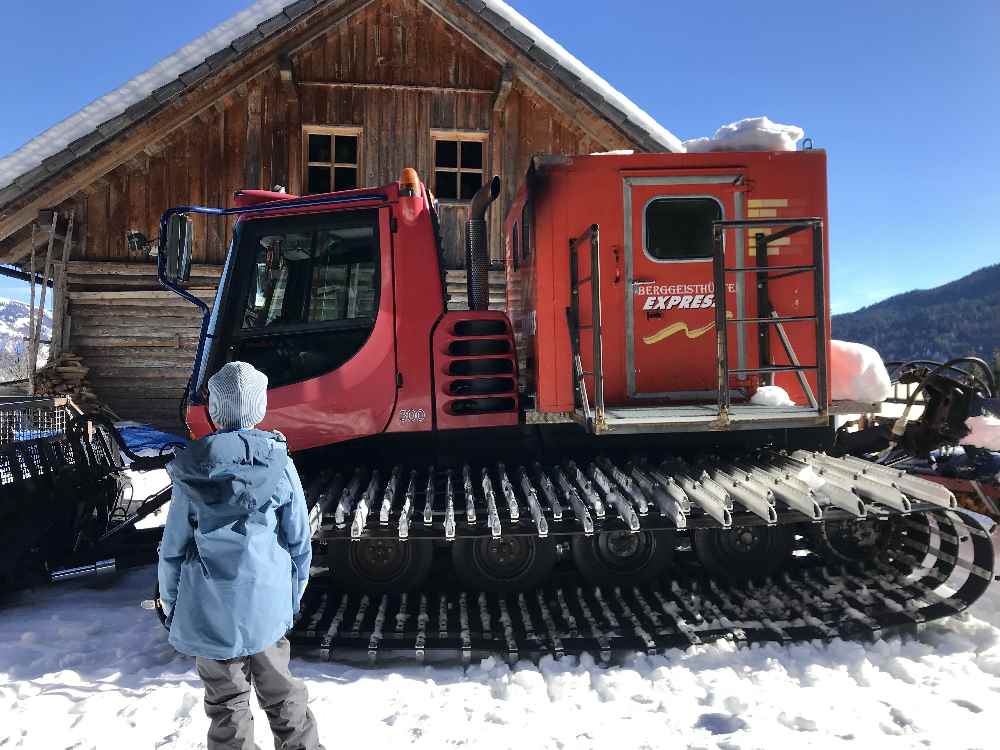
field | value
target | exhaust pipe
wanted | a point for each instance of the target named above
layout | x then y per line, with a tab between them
477	256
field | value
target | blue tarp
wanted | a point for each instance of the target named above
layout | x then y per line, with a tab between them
140	437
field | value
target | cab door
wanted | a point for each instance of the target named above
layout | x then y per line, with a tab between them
671	296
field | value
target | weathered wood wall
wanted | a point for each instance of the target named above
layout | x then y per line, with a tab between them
415	73
138	340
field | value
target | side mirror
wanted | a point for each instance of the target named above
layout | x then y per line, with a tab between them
177	247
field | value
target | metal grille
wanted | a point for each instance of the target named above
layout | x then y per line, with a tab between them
23	419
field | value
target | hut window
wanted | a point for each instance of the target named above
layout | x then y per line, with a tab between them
333	159
459	164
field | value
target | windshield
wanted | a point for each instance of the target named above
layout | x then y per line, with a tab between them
308	272
303	294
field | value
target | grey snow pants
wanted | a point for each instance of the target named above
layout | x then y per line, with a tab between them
283	698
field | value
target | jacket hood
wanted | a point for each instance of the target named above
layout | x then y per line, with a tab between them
235	473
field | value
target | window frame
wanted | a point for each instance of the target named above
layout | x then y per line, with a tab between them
676	198
333	131
459	137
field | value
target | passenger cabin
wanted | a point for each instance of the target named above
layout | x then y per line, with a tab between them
614	269
324	95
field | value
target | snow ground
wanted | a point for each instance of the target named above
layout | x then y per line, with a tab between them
87	668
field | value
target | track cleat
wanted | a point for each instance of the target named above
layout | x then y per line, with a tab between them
345	506
389	498
429	498
541	524
586	489
508	492
758	500
549	491
613	498
629	487
406	513
449	508
492	515
363	508
470	496
575	502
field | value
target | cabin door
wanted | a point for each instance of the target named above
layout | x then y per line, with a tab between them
670	305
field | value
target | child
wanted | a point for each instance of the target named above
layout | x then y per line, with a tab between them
234	563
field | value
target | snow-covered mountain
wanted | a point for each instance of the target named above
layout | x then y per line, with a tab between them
14	326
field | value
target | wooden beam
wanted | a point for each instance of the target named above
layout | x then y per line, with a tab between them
96	267
286	73
394	87
85	342
307	27
503	90
137	295
111	305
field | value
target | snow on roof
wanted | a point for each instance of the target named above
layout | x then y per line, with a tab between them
190	57
588	77
115	103
750	134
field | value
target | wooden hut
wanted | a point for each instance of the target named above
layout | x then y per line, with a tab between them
326	94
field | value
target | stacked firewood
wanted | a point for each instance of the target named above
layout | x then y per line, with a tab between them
67	376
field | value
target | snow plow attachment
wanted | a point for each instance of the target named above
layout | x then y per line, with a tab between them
66	505
769	547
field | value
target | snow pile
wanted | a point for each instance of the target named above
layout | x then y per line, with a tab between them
771	395
813	480
858	373
750	134
619	152
984	433
89	669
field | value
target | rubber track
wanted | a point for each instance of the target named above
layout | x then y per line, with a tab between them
940	562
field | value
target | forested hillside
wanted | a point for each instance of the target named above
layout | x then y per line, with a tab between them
959	318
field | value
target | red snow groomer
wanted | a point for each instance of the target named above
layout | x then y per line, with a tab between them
603	463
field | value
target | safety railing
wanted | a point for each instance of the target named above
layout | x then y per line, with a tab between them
766	317
591	238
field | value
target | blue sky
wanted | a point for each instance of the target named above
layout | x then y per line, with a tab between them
903	95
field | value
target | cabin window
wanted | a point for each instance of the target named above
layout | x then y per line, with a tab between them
459	164
311	293
333	159
681	228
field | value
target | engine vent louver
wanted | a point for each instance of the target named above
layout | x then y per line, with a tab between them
478	347
480	328
476	370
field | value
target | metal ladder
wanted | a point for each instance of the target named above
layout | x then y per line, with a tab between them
595	418
767	317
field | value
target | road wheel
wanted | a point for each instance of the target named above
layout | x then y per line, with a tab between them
622	558
514	563
379	566
743	552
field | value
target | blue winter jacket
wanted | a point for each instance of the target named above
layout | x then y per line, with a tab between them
236	548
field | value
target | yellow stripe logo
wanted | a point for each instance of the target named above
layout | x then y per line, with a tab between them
681	327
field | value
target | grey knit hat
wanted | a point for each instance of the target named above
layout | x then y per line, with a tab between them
237	397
